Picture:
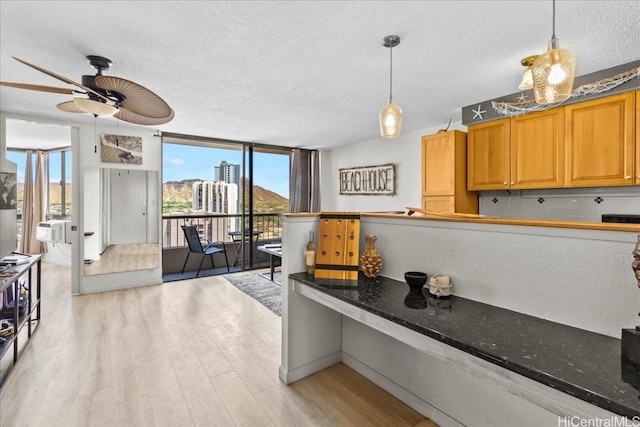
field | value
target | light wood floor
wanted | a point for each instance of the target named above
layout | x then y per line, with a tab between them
195	352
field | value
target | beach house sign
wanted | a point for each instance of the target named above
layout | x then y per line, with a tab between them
368	180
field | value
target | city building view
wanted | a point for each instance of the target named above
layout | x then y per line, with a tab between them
213	195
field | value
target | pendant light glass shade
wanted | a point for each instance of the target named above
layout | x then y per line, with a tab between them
390	121
553	74
390	114
553	71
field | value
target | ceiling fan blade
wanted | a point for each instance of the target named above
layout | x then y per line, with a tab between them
61	77
131	117
41	88
140	100
69	107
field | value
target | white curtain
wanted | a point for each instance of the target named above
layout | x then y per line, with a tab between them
304	181
34	201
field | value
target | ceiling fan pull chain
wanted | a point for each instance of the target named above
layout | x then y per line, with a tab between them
95	132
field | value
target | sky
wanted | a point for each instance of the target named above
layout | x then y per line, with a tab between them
271	171
54	165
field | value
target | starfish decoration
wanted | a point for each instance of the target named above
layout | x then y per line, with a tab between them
478	112
522	97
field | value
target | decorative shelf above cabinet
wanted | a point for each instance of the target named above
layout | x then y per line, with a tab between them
617	78
444	168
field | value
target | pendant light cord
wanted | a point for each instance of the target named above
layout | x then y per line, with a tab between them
391	75
553	35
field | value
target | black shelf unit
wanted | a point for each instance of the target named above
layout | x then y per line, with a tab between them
21	277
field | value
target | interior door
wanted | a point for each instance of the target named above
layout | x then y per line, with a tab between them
128	188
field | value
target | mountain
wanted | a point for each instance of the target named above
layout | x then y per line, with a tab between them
176	195
177	198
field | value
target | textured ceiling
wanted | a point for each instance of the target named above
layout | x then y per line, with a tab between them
307	74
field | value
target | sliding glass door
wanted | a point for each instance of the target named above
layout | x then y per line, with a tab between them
266	197
233	192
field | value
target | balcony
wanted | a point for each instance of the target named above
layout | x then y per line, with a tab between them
227	228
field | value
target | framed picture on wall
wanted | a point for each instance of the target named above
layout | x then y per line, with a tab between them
121	149
8	190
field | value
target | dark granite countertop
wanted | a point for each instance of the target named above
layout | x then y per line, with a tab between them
583	364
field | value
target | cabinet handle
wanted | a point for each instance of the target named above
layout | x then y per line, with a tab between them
513	182
505	183
628	177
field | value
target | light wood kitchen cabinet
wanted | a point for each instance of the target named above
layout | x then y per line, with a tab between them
518	153
537	150
638	137
488	164
599	138
444	168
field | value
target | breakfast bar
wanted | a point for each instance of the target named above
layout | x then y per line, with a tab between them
530	337
577	362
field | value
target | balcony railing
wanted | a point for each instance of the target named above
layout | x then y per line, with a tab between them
217	227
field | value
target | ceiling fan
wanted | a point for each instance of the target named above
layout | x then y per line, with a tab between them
105	95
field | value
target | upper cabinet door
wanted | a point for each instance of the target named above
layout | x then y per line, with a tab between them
637	130
600	142
537	150
488	155
438	164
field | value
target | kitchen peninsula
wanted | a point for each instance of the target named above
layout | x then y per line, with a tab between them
553	280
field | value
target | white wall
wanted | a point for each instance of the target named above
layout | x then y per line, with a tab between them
582	278
404	152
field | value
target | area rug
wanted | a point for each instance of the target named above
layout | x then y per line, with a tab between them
257	287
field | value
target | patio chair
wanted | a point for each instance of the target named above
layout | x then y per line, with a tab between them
195	246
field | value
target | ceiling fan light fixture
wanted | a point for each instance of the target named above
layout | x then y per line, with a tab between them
553	72
108	96
390	114
527	78
96	108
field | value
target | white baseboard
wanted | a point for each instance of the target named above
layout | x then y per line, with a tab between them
121	286
425	408
292	375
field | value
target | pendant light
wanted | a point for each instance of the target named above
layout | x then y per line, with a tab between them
553	71
390	114
527	78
